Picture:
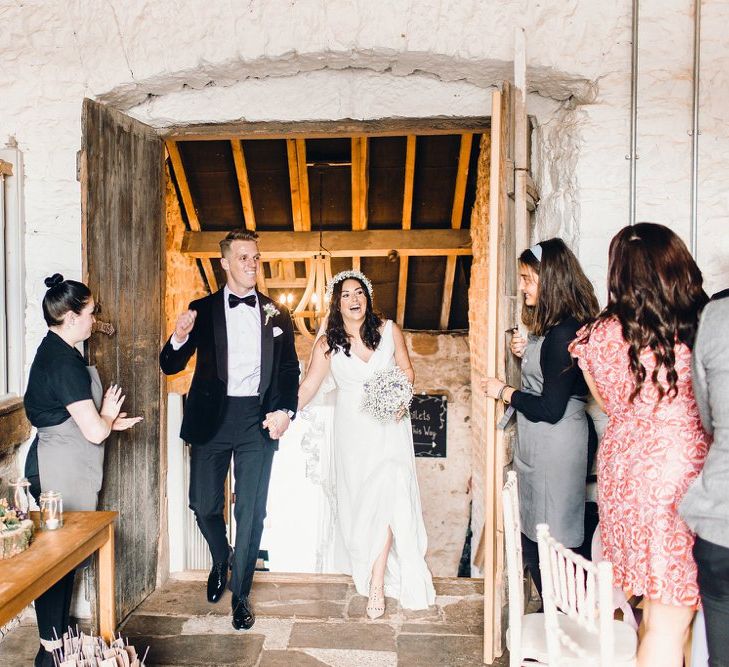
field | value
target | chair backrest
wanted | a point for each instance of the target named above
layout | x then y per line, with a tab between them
581	590
514	562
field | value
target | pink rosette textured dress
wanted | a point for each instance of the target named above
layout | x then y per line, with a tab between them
650	453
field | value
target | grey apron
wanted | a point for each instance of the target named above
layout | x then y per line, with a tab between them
551	461
68	462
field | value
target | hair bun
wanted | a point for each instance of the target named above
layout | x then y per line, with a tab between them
55	279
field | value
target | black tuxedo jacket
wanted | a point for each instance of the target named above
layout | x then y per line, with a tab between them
207	396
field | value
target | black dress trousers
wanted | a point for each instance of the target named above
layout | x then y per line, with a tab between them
241	437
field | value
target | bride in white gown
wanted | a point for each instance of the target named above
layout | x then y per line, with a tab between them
382	539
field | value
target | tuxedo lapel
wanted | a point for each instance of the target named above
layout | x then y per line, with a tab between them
221	335
266	348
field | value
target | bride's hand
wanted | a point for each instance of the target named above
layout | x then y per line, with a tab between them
401	413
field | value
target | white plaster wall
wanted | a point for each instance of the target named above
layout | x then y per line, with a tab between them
664	145
309	59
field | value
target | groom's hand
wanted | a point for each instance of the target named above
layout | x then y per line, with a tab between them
184	325
276	422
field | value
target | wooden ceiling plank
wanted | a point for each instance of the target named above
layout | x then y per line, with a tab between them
179	171
368	243
244	186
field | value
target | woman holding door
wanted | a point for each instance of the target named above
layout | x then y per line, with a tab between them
551	456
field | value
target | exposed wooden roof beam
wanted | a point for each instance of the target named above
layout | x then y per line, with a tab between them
244	187
459	197
189	206
294	182
369	243
407	214
299	179
360	185
459	194
448	280
402	290
387	127
360	182
303	185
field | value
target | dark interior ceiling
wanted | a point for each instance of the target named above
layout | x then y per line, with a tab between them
430	165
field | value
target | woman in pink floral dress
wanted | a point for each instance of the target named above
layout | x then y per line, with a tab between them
636	359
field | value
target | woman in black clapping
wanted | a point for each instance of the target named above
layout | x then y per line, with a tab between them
64	402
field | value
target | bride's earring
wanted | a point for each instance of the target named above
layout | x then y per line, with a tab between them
376	602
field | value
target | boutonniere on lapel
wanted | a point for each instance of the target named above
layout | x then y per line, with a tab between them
271	311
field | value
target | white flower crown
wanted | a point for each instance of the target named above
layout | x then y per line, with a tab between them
344	275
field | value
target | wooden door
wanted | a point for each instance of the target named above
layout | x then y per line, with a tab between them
509	205
122	210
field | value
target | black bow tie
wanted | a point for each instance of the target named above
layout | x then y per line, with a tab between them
234	300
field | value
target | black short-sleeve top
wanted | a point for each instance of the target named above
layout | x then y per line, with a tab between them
58	377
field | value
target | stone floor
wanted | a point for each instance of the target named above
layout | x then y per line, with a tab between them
317	623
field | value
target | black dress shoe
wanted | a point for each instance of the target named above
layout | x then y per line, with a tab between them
44	658
243	616
217	579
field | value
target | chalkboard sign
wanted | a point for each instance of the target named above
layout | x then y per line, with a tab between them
428	416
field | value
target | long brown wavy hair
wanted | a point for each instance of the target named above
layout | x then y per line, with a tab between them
564	289
655	290
337	336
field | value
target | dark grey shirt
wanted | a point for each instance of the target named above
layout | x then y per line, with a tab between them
705	507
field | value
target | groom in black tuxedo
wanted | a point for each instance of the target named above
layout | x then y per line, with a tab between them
241	400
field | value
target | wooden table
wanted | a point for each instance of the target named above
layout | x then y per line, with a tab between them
54	553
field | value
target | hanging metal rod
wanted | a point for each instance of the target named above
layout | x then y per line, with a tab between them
695	130
633	156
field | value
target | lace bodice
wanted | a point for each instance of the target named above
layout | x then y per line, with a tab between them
351	372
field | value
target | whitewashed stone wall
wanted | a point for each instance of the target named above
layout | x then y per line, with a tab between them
182	61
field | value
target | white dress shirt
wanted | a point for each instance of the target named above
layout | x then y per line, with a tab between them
243	326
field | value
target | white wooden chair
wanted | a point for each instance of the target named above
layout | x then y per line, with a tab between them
525	636
585	633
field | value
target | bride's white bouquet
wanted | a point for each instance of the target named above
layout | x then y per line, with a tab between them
386	394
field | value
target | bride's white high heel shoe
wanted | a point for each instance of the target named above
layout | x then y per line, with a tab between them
376	602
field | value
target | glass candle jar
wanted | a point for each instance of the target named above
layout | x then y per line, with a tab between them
51	510
20	497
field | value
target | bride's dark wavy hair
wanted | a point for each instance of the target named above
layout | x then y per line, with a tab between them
337	336
655	290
